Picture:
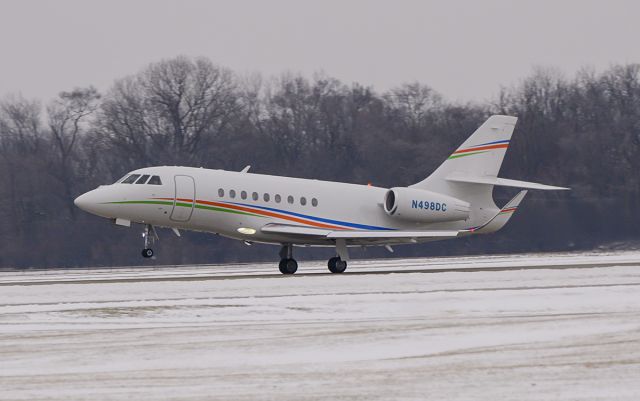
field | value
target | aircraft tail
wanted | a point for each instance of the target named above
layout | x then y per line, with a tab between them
471	172
481	155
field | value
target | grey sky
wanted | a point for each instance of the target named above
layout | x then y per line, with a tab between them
464	49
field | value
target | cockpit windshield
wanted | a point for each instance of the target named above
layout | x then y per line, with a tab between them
140	179
143	179
121	179
131	179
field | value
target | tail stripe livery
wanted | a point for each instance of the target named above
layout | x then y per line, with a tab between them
482	148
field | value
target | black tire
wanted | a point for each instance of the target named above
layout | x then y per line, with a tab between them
337	265
147	253
288	266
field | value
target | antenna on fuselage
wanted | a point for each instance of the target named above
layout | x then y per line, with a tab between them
244	170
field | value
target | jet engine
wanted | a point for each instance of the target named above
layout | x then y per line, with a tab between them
423	206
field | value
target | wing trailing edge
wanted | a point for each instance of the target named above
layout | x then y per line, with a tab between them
356	234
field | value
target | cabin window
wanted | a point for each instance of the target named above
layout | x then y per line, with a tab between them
131	179
314	202
221	192
290	199
154	180
143	179
243	194
277	198
303	201
254	196
232	194
266	197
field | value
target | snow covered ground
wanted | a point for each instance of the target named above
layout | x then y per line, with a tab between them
541	334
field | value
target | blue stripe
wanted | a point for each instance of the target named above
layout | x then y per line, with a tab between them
491	143
313	218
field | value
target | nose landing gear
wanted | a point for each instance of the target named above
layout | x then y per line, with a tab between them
150	236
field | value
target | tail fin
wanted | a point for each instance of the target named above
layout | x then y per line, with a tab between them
480	155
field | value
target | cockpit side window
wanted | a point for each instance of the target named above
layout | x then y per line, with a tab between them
155	180
143	179
131	179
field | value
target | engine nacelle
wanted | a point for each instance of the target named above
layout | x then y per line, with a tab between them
424	206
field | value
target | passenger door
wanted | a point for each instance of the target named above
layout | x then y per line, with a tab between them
184	199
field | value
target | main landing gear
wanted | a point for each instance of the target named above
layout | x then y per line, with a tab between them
337	264
150	236
288	264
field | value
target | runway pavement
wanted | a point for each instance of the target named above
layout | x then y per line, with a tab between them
356	267
514	327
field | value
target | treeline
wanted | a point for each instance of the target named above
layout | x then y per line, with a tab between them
582	132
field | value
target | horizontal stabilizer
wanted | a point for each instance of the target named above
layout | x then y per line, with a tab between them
502	182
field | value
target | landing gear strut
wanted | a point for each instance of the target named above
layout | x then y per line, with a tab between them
288	264
337	265
150	238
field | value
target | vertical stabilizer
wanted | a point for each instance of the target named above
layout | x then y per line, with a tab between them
481	156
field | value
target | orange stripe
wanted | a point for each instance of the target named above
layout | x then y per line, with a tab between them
498	146
258	211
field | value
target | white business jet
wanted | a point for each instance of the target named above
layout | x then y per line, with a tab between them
455	200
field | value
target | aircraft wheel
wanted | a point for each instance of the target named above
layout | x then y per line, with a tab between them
337	265
147	253
288	266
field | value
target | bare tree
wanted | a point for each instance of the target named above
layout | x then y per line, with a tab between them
67	118
172	112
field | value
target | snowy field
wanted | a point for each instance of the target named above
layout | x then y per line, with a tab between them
242	333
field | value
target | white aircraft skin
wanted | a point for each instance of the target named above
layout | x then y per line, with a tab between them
453	201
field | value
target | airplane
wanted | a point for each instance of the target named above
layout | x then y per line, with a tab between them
454	201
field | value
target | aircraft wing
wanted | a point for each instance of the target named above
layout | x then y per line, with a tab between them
391	234
295	230
359	235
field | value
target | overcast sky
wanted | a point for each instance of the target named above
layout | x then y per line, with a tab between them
463	49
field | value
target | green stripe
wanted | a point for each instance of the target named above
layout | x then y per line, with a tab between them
168	203
203	207
464	154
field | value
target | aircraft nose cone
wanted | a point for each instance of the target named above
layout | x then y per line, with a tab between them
82	201
91	202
